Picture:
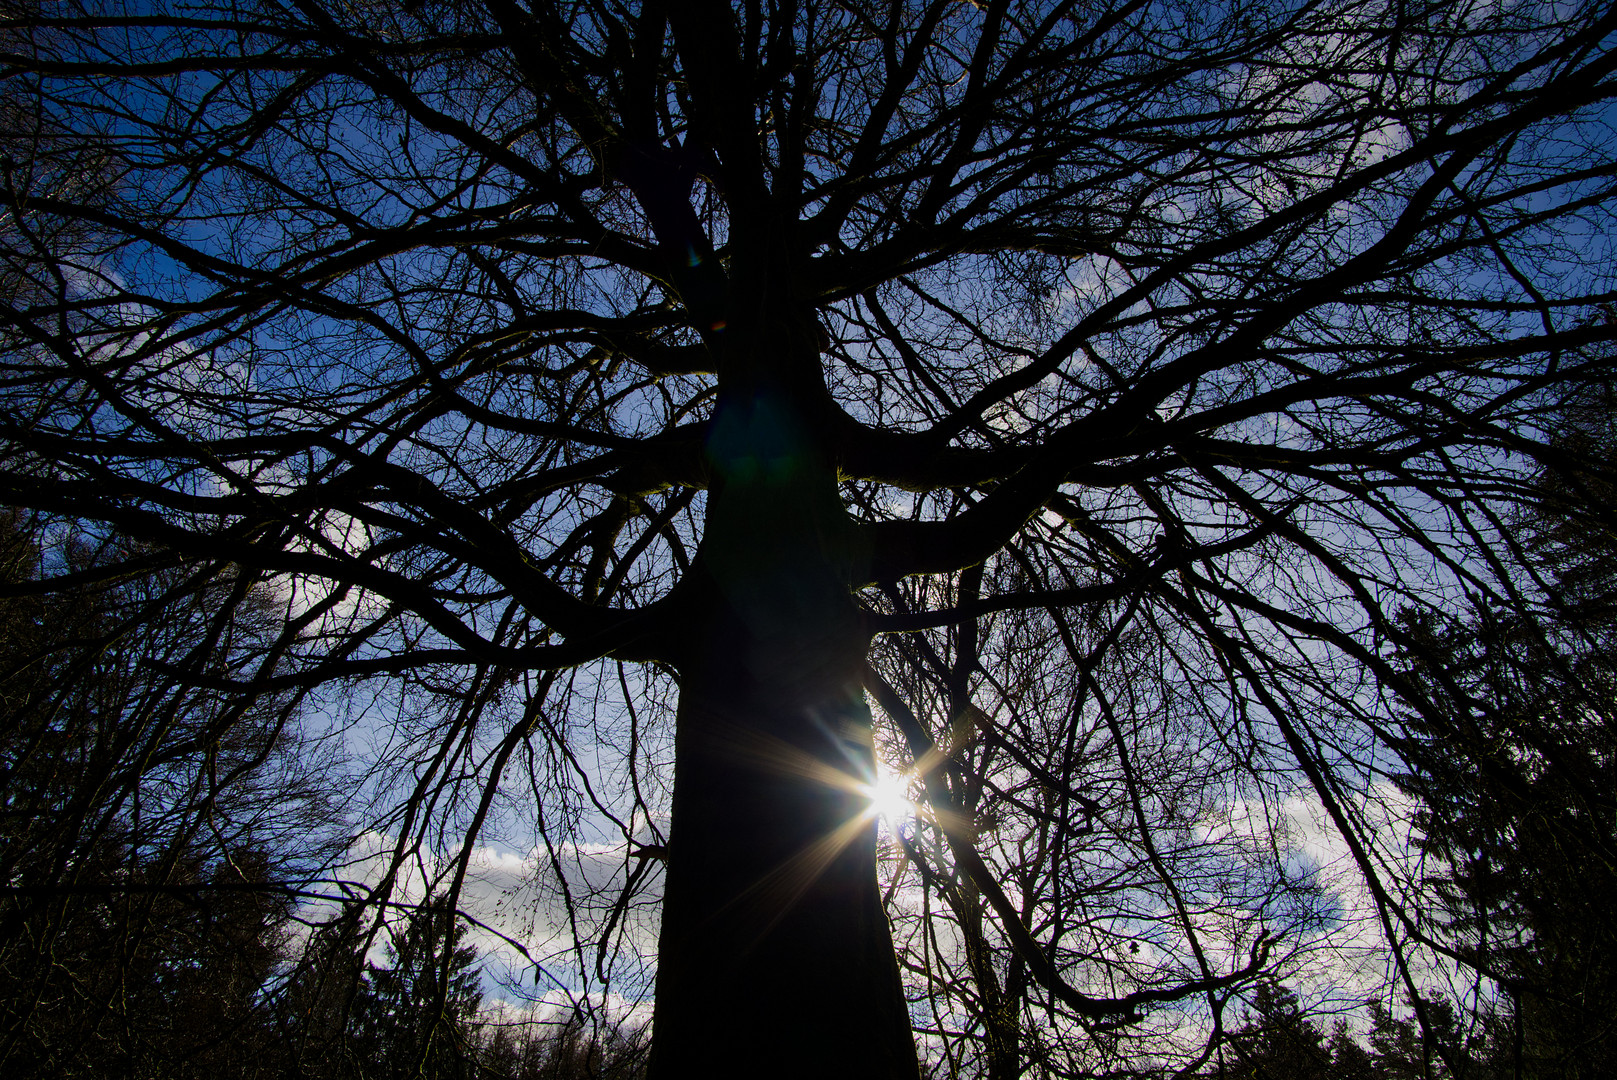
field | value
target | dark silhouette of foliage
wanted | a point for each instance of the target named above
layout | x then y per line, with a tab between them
1278	1040
316	1004
576	1049
415	1012
1519	783
142	826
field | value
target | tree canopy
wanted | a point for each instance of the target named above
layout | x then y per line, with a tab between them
621	398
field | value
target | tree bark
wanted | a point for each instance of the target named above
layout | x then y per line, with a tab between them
775	952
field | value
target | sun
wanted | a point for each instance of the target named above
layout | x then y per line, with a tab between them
889	799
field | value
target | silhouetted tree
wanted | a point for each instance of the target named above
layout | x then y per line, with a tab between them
598	381
1518	783
576	1049
140	912
1432	1046
414	1016
1278	1040
315	1007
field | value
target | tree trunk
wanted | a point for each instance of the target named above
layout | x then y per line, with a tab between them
775	956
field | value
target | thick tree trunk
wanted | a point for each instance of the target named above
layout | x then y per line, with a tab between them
775	957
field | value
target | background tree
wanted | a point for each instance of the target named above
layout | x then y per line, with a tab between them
551	358
314	1014
1278	1040
148	830
1518	782
576	1048
415	1015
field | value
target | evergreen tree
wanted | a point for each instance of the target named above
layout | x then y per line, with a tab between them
415	1015
1276	1042
1517	782
1279	1041
316	1005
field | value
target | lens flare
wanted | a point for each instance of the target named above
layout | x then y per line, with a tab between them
889	799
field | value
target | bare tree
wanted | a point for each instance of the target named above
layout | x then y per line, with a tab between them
553	356
153	833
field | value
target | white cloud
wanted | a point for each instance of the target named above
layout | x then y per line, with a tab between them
524	909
